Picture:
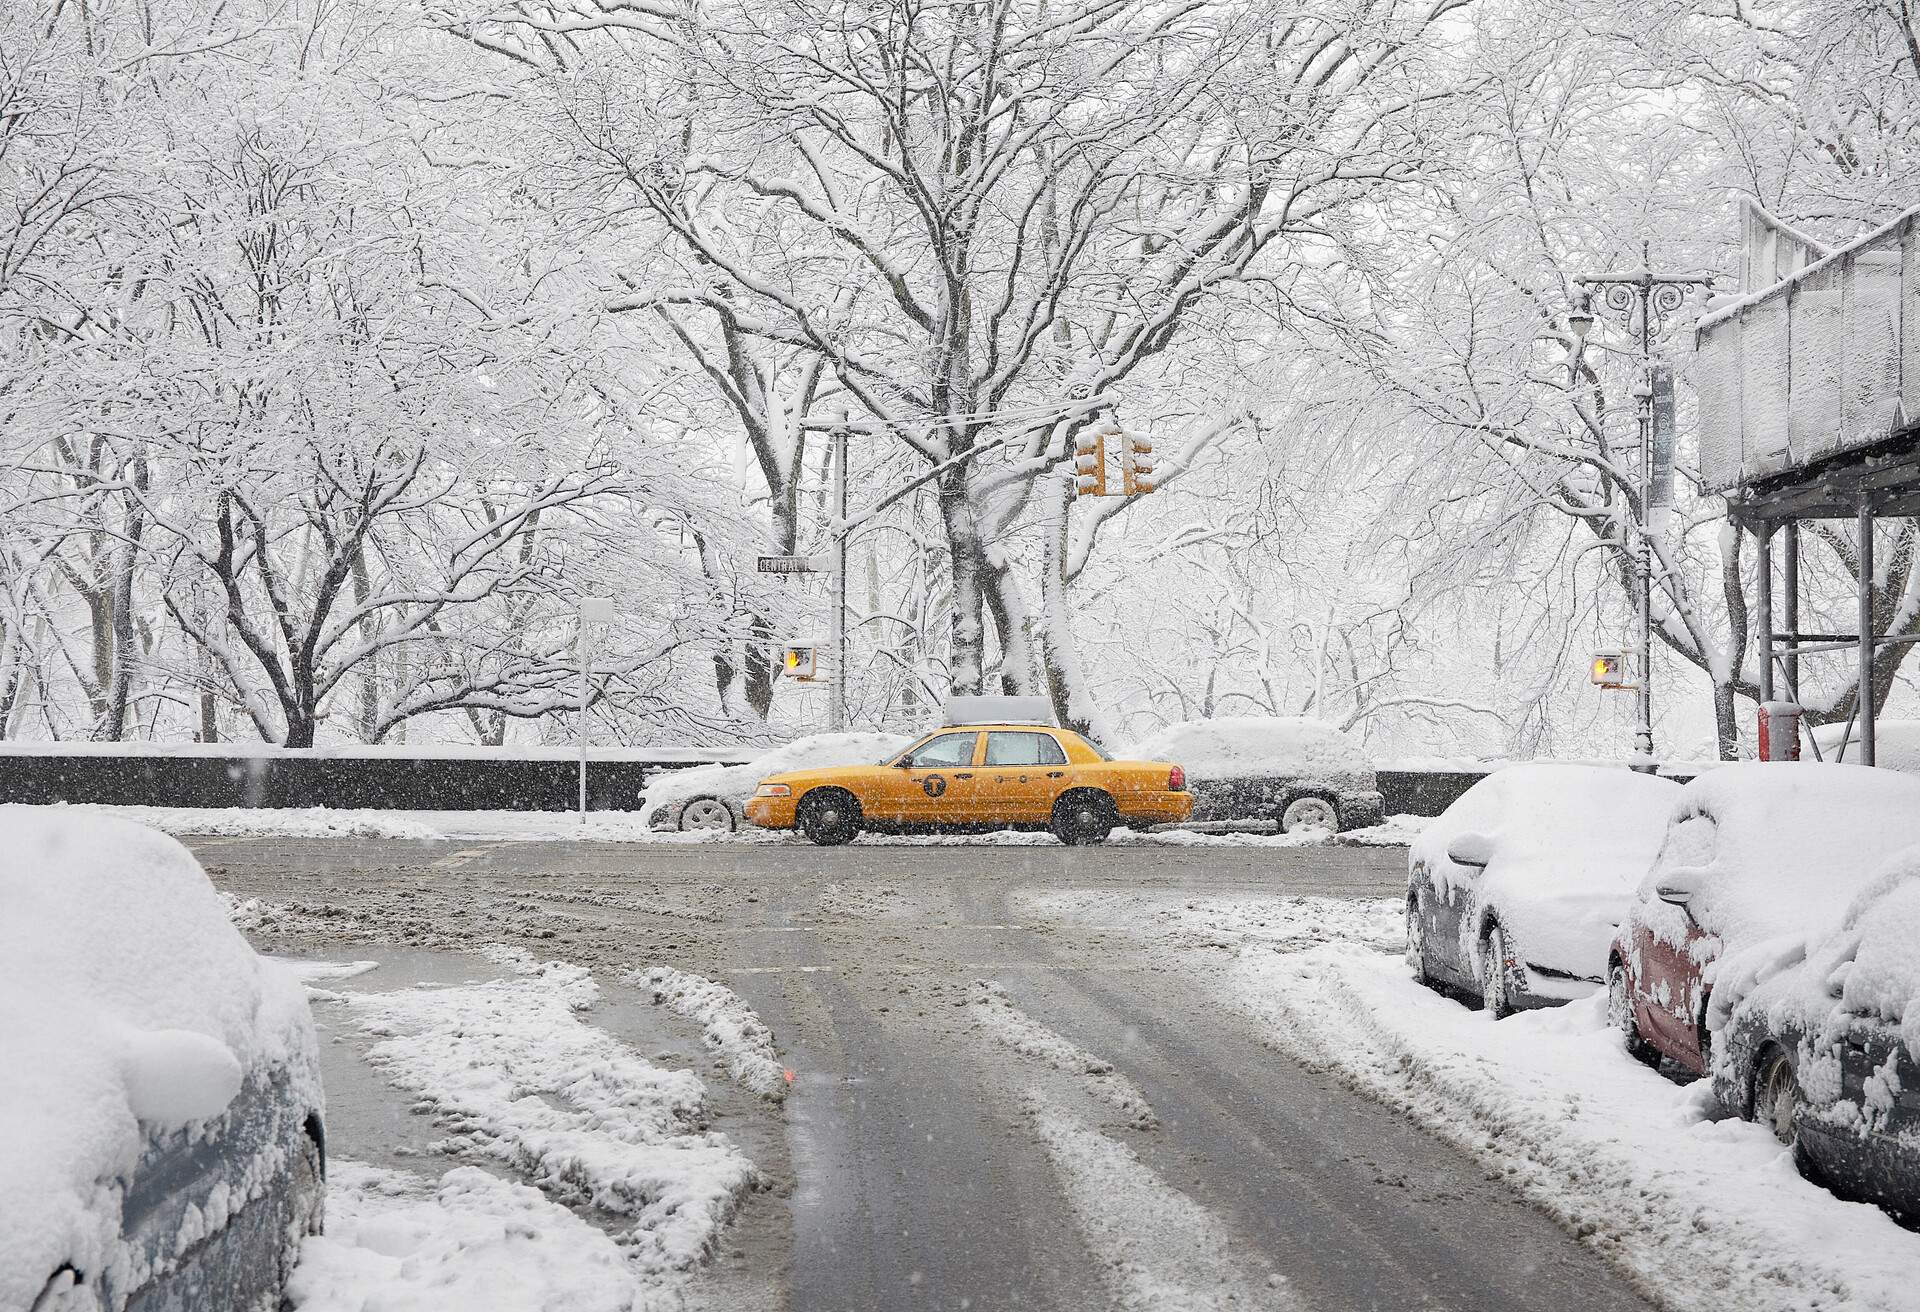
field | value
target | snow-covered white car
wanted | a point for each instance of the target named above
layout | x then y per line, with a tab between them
1753	852
163	1145
1820	1041
714	797
1514	891
1297	773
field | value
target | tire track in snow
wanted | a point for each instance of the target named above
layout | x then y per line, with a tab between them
1159	1250
733	1033
995	1014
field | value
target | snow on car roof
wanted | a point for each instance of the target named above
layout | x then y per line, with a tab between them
1569	819
1792	843
125	997
738	781
1230	746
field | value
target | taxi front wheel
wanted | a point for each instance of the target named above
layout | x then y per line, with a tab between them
829	817
1085	817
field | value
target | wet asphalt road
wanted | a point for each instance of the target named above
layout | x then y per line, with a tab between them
907	1174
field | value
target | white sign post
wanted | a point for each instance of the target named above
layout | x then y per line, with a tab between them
593	610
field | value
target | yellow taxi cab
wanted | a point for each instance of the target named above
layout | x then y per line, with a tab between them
978	777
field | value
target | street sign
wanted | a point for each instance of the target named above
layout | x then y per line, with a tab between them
794	564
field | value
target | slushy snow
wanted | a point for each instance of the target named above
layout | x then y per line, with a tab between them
736	1037
514	1075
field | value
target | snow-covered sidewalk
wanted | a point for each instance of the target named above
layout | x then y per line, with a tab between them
1707	1214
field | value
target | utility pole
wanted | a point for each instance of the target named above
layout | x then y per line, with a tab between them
837	672
1644	300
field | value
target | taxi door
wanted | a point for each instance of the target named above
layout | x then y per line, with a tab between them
1022	774
937	783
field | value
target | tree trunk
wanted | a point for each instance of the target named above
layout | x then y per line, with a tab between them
968	643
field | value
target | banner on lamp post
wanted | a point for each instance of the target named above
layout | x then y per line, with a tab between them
1660	432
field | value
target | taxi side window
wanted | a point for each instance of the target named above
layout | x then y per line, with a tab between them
946	751
1024	749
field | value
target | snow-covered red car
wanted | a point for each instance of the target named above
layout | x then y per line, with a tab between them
163	1145
1515	891
1297	773
1820	1041
715	796
1752	852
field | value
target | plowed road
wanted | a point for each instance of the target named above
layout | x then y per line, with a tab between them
924	1162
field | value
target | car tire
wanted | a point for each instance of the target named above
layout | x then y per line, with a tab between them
829	817
1304	813
1777	1103
706	813
1417	944
1620	1016
1083	817
1496	982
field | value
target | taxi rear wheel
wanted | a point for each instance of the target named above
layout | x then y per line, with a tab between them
829	816
1084	817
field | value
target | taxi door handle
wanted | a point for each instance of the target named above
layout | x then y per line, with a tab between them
963	774
1056	774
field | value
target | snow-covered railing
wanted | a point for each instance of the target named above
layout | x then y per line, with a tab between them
1820	364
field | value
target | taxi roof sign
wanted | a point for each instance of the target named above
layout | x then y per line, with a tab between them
997	709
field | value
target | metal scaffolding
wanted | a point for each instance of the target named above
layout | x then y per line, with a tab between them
1810	409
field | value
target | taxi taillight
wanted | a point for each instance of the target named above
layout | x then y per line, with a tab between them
1176	780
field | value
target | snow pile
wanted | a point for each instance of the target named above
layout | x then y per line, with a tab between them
129	1005
515	1076
474	1242
1159	1250
736	1037
1896	744
995	1013
1568	844
1709	1213
1240	746
1394	831
737	782
1775	849
277	822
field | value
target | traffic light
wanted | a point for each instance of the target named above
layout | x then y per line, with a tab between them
1090	463
1136	474
1611	669
801	664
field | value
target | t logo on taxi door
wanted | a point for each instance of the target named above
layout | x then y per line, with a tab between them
935	784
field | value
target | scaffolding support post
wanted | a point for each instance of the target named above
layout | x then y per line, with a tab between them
1863	702
1763	539
1790	607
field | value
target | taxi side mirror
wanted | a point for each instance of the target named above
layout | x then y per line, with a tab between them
1673	897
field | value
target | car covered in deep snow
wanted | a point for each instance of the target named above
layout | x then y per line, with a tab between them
1514	892
1296	773
1820	1041
977	777
714	797
1752	852
163	1145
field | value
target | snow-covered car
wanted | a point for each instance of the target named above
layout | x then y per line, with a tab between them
1752	852
163	1145
715	796
1515	891
1821	1042
1297	773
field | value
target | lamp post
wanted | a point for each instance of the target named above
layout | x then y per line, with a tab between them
593	610
1643	301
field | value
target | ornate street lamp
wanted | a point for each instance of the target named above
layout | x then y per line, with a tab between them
1643	302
